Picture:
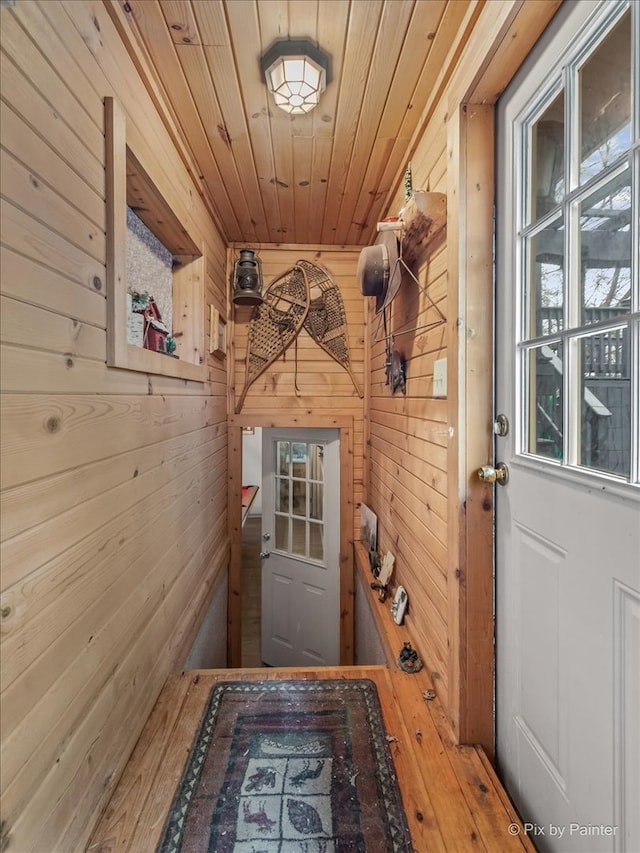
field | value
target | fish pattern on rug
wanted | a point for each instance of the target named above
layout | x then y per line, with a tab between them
289	767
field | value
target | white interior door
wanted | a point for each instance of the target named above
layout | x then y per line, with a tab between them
568	365
301	547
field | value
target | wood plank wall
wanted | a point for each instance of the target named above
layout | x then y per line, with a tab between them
114	533
319	385
115	530
303	389
308	388
408	439
423	451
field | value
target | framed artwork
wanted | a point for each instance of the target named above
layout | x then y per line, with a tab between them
368	527
217	333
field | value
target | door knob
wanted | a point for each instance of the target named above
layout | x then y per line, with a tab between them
265	554
499	474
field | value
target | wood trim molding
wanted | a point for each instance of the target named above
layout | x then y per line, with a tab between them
488	63
116	225
234	521
470	371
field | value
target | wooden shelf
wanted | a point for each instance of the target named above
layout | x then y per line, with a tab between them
392	636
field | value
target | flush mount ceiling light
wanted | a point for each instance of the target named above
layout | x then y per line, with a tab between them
296	73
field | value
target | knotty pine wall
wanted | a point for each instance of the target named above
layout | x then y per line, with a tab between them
114	534
411	478
408	434
423	451
306	388
407	464
318	388
114	527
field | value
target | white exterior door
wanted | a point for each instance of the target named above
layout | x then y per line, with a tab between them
568	377
301	547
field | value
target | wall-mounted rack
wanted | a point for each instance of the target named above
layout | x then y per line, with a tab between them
424	218
420	225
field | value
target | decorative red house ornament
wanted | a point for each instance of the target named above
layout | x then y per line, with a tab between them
155	332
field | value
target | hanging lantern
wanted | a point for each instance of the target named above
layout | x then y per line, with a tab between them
247	279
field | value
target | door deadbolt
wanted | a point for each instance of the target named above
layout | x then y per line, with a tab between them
501	426
499	474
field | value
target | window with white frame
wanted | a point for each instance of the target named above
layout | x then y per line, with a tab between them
579	306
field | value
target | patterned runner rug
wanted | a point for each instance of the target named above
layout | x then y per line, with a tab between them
289	767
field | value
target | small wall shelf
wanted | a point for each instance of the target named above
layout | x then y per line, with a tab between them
392	636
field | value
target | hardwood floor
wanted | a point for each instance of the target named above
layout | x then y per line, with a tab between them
251	592
452	798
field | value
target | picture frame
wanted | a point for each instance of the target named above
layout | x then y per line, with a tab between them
368	528
217	333
399	605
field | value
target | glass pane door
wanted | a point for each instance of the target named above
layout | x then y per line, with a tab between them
299	499
579	258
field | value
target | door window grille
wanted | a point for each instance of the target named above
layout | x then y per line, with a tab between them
578	237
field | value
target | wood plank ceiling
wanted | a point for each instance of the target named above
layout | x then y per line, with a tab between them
325	177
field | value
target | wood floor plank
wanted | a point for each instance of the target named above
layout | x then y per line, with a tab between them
251	592
433	758
423	821
135	817
508	816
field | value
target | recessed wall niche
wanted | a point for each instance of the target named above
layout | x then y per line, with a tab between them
168	251
149	266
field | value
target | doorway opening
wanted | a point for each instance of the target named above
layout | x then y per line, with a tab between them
301	520
247	581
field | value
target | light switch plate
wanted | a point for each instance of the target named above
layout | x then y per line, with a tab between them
440	378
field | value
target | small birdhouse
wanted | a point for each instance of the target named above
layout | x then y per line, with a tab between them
155	332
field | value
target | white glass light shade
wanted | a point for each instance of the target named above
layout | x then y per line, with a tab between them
296	74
